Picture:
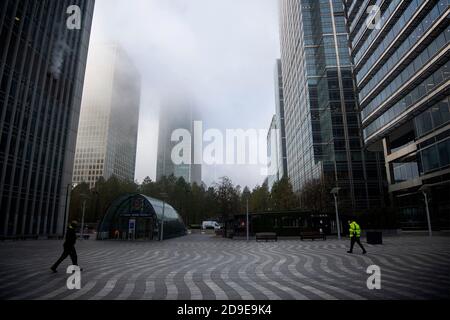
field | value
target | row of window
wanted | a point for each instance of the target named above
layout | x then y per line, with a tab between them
404	171
427	86
89	156
388	38
92	177
432	118
373	32
352	6
409	72
436	157
438	43
90	161
30	220
438	10
430	159
88	167
358	15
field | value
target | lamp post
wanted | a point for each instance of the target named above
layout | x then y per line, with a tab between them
161	235
84	197
425	190
248	230
335	192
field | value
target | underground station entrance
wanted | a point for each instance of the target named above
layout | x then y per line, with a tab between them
138	217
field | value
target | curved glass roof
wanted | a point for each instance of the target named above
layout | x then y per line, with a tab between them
130	205
169	211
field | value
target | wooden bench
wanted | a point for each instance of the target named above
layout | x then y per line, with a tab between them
312	235
266	236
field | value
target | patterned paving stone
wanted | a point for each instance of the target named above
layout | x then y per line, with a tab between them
199	267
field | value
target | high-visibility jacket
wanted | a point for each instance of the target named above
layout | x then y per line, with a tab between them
355	230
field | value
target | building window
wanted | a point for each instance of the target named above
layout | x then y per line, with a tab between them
432	118
435	157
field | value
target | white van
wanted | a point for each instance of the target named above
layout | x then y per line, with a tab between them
210	225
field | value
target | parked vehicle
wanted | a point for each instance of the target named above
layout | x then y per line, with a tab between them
211	225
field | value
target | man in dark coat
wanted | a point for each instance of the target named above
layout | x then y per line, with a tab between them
69	247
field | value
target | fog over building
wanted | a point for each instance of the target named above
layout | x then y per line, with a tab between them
109	119
177	111
42	67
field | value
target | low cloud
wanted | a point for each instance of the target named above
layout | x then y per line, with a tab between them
221	51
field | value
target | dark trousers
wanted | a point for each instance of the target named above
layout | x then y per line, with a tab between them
358	241
68	251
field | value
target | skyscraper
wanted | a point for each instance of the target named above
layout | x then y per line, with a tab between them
273	153
401	60
109	119
42	66
176	112
276	139
323	137
279	104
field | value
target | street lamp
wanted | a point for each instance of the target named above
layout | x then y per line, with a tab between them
335	192
84	197
425	191
248	236
163	196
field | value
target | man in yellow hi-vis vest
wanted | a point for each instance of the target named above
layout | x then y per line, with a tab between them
355	236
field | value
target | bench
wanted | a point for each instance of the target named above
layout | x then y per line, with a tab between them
312	235
266	236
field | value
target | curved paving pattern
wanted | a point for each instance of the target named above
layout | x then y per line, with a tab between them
205	267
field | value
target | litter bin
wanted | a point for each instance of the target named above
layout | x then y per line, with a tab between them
374	237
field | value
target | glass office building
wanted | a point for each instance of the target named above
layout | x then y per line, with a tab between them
276	140
109	118
403	79
42	66
273	152
323	136
279	103
177	111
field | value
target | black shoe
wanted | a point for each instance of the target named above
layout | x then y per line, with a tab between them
364	252
53	269
349	252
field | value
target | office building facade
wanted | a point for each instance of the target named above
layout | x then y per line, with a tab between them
279	104
273	153
276	138
323	136
176	112
401	52
42	66
109	119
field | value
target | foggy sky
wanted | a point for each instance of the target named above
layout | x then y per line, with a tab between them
221	51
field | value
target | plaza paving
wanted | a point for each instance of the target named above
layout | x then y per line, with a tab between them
207	267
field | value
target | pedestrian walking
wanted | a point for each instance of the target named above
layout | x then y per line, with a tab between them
69	247
355	236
